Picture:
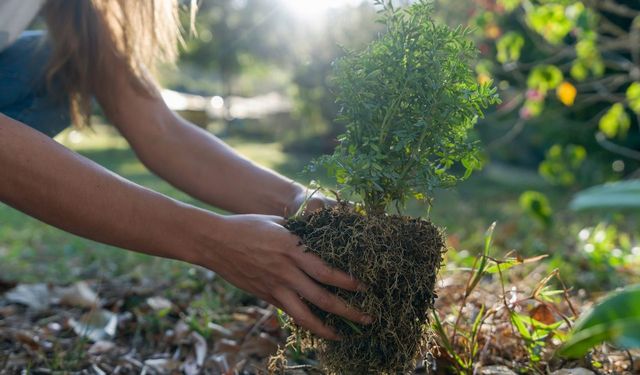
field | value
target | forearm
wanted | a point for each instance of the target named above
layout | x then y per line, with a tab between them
51	183
217	174
192	159
200	164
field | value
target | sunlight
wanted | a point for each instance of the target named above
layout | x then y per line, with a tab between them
307	9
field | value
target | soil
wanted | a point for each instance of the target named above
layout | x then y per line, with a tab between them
398	258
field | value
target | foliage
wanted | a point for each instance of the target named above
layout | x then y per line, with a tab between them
562	164
620	196
465	337
569	71
408	102
616	319
537	205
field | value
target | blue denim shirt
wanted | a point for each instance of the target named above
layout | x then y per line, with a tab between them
24	95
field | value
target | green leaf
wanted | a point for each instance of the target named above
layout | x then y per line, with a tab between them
509	47
520	325
538	325
444	339
619	196
480	271
616	319
624	333
537	205
562	163
509	5
545	78
470	163
633	97
476	323
579	71
488	238
550	21
615	122
512	262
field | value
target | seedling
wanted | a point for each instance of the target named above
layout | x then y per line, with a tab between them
408	102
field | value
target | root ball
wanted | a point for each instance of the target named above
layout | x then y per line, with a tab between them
398	258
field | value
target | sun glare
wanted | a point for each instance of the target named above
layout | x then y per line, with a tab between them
311	8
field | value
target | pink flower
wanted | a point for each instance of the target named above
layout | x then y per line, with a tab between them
534	95
525	113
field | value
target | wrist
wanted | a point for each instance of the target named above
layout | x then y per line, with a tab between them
200	231
282	201
296	198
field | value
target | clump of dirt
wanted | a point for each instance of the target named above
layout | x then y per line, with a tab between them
398	258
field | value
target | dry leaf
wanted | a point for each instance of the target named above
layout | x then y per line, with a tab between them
101	347
260	346
159	303
220	362
573	371
7	311
162	365
78	295
96	325
190	366
179	333
226	351
543	314
28	339
35	296
200	346
496	370
219	331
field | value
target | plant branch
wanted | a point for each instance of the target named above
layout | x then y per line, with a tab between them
616	148
617	9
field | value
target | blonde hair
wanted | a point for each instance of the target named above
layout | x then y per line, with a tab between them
94	38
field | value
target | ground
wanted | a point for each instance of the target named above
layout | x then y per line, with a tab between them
69	304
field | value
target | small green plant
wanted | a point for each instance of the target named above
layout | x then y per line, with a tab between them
408	101
463	333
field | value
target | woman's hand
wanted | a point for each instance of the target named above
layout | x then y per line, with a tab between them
257	254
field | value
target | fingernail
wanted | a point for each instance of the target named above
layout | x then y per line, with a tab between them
362	287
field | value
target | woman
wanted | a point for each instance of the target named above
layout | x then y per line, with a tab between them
106	49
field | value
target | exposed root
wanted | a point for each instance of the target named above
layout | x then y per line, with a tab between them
398	258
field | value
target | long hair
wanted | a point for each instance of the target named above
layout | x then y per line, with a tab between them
93	39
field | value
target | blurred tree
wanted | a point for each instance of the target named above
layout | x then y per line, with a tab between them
239	38
233	36
569	72
343	28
